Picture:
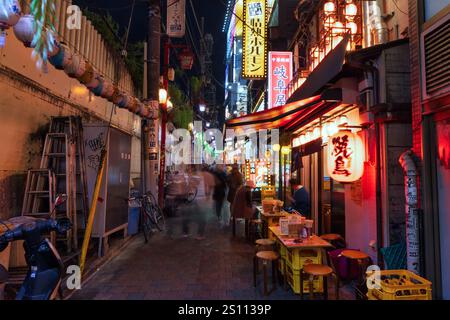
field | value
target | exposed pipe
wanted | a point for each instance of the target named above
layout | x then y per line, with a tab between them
412	216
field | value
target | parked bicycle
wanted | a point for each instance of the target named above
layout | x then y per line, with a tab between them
151	215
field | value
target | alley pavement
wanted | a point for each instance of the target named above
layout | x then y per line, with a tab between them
174	267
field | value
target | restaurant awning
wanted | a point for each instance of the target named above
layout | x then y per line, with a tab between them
291	115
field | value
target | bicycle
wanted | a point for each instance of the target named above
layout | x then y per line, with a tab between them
151	214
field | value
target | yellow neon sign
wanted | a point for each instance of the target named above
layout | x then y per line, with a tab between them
254	45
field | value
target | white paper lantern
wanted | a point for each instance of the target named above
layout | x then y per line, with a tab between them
24	30
10	13
77	67
108	90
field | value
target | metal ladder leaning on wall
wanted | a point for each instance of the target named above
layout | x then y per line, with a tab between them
62	171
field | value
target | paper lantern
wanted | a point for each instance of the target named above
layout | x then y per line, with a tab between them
99	88
95	81
345	157
77	67
351	10
108	89
329	7
9	13
24	30
352	26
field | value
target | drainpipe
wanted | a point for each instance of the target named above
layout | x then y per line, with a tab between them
412	216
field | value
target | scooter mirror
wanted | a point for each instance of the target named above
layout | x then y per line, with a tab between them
60	199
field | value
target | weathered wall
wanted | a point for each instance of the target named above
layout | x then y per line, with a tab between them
28	98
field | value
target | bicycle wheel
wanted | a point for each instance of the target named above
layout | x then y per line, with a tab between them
154	213
146	225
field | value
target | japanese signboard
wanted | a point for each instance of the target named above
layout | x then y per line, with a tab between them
280	74
345	157
176	18
254	55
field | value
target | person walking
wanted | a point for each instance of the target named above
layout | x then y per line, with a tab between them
235	181
242	206
219	192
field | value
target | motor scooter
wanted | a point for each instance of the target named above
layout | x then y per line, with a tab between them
45	266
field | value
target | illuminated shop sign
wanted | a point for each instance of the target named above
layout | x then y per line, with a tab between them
254	62
280	75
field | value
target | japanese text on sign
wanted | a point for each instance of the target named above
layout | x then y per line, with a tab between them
254	35
280	75
176	10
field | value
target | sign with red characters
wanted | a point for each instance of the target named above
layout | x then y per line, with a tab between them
280	75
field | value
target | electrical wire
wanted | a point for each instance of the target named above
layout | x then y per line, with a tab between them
396	4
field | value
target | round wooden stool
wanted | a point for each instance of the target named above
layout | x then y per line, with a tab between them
361	258
335	239
313	270
266	257
262	245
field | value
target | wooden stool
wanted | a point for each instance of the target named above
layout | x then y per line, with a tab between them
335	239
318	270
359	257
266	256
262	245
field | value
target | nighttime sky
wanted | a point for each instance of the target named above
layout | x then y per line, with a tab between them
212	10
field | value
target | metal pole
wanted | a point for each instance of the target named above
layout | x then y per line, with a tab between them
149	127
162	163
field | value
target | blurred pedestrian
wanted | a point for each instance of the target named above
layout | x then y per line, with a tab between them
242	206
219	192
235	181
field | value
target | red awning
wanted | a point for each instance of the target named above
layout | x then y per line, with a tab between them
289	116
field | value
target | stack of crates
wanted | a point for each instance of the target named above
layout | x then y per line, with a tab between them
294	263
399	285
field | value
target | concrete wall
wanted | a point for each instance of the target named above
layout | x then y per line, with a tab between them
27	101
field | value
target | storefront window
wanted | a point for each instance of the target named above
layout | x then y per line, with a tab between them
432	7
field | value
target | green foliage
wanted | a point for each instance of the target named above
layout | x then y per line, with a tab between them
182	113
196	85
43	12
135	63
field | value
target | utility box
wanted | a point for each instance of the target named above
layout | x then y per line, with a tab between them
112	206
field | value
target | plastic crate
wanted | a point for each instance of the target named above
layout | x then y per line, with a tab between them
293	278
298	258
400	285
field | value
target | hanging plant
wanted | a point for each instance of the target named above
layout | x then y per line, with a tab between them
44	40
182	116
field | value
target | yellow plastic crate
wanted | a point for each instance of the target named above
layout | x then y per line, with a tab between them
298	258
400	285
293	278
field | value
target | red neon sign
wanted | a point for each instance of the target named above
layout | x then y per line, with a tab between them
280	75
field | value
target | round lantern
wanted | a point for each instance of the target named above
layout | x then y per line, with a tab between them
24	30
116	96
77	67
99	88
108	89
329	7
186	58
133	105
62	59
9	13
88	74
124	101
345	155
54	49
351	10
95	81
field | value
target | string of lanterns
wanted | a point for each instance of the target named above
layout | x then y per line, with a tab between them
324	131
73	64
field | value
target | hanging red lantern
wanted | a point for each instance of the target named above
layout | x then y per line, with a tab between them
186	58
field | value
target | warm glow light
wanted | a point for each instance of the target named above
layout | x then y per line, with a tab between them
302	139
338	27
343	120
285	150
352	26
345	157
332	128
162	96
329	7
351	10
80	90
276	147
316	133
191	126
202	107
169	105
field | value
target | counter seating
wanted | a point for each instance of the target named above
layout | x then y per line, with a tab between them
335	239
266	257
256	229
363	260
312	271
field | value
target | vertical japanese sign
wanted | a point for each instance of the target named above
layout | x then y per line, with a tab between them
176	18
345	157
280	75
254	55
